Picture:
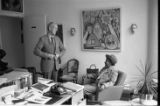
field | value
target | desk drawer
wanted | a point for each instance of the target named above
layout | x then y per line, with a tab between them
82	103
78	97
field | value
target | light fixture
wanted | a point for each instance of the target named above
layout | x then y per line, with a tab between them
133	27
73	31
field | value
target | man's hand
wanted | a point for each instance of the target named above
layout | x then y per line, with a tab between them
57	55
51	56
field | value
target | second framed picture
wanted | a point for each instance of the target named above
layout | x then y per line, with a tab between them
12	5
101	30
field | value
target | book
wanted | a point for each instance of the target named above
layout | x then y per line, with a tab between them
73	86
40	87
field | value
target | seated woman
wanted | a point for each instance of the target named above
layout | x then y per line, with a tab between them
107	76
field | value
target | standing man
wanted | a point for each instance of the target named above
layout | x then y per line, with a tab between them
50	49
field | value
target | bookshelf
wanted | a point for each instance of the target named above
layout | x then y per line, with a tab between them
12	8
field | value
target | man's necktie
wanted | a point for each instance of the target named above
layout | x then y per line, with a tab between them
54	42
52	39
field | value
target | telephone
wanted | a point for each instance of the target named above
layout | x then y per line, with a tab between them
58	89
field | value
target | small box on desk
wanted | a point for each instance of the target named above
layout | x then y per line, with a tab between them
127	93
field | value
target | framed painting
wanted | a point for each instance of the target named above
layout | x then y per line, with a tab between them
101	30
60	32
12	5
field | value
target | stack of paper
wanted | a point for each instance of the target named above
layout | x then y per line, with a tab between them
3	80
73	86
35	97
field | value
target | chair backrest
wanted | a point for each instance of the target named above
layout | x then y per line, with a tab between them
121	78
72	66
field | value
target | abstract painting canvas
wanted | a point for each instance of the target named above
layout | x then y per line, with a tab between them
101	30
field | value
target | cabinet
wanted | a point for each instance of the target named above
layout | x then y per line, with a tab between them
78	98
12	8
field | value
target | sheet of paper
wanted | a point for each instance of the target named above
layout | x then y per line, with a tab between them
39	99
3	80
73	86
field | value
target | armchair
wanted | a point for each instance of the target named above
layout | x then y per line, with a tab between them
70	71
110	93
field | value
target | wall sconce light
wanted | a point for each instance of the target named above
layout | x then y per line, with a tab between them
133	27
73	31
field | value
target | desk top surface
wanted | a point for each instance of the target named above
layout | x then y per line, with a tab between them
17	73
63	98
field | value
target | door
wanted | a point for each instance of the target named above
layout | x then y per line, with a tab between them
34	28
11	42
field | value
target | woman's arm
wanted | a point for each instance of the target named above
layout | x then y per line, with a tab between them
113	77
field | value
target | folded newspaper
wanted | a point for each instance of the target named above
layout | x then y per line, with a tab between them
73	86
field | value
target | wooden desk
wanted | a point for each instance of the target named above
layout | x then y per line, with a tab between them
75	98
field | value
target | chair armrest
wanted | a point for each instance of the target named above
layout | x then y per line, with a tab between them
110	93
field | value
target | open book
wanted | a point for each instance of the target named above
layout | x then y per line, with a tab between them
73	86
40	87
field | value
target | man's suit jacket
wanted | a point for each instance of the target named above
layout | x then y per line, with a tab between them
45	46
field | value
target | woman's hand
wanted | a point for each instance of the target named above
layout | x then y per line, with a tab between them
101	86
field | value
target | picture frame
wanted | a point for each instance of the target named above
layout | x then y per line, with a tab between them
59	32
101	30
12	5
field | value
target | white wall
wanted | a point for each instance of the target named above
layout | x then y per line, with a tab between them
10	29
68	12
